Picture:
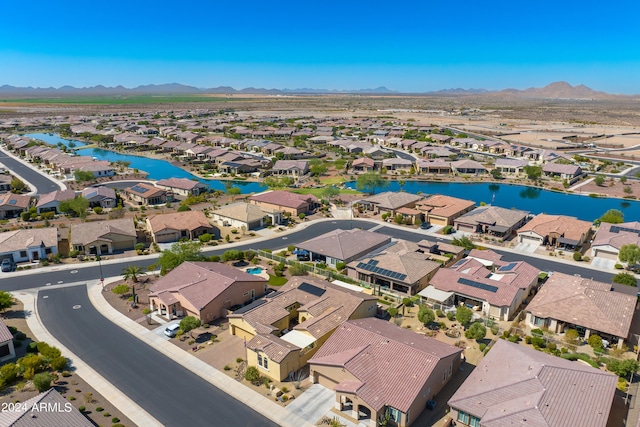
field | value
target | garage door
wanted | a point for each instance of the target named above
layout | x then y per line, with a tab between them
437	221
123	245
325	381
530	240
605	254
464	227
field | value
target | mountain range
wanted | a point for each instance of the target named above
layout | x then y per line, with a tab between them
556	90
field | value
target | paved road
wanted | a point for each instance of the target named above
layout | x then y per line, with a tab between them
172	394
41	183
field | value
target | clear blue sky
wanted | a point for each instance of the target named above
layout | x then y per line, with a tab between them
349	44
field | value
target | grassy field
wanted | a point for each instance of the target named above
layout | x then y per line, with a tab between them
124	99
277	281
332	180
318	191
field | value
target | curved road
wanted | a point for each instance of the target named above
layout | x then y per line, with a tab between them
41	183
170	393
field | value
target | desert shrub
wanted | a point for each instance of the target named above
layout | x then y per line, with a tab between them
82	408
495	329
239	360
227	368
99	409
42	381
577	256
97	210
482	346
476	331
514	338
20	336
58	363
538	342
439	313
451	316
9	373
205	238
252	374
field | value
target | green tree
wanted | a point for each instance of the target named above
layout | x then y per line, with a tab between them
30	365
82	176
58	363
42	381
625	279
234	192
612	216
252	374
476	331
464	241
623	368
426	315
533	172
571	336
319	169
369	181
132	272
77	206
189	323
463	314
8	373
629	253
297	269
393	311
339	164
330	192
17	185
6	300
496	173
595	341
179	253
623	179
599	180
275	183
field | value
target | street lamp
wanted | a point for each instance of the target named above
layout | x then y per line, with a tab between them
92	248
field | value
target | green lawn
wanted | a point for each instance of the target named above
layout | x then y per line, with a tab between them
277	281
318	191
332	180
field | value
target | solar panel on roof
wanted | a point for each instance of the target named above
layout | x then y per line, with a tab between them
459	263
508	267
477	285
617	229
139	189
311	289
92	194
382	271
250	306
373	262
13	201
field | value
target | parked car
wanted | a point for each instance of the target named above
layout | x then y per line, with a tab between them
7	265
425	225
172	330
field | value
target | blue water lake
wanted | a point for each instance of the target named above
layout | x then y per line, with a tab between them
157	169
530	199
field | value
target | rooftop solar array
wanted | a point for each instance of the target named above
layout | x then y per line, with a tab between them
459	263
477	285
13	201
92	194
508	267
617	229
139	189
382	271
251	306
311	289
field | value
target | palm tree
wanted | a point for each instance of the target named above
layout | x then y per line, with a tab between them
132	272
402	182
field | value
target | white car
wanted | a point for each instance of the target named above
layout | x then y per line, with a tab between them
172	330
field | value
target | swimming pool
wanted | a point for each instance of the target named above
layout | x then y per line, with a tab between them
254	270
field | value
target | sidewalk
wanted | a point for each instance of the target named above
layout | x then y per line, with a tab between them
33	192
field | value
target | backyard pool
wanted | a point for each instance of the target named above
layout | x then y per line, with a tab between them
254	270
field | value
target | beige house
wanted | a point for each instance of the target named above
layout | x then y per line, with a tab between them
165	228
378	369
285	330
555	231
389	201
492	220
206	290
12	205
590	307
343	245
443	210
7	351
147	194
610	238
286	201
515	385
182	186
246	216
103	237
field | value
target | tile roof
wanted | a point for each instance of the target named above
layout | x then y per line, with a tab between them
302	165
245	212
143	189
5	333
20	240
275	348
627	233
284	198
584	302
392	200
64	414
345	244
180	183
55	196
444	206
199	283
493	215
13	201
569	227
99	193
561	168
516	385
87	232
412	265
391	364
188	220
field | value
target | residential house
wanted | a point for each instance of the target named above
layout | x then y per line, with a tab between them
12	205
466	166
493	220
517	385
48	408
29	245
343	245
101	196
205	290
172	227
571	173
363	164
610	238
397	164
389	201
294	168
147	194
286	201
5	180
286	328
555	231
246	216
182	186
401	268
49	202
496	294
443	210
377	368
591	307
433	166
103	237
7	350
510	166
442	139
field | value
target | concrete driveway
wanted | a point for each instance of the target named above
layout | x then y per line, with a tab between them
315	403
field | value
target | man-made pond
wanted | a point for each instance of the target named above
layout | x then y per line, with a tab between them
530	199
157	169
534	200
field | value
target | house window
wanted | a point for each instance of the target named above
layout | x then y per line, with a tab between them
450	368
395	414
47	251
474	421
444	376
426	393
23	254
246	294
538	321
463	417
263	361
